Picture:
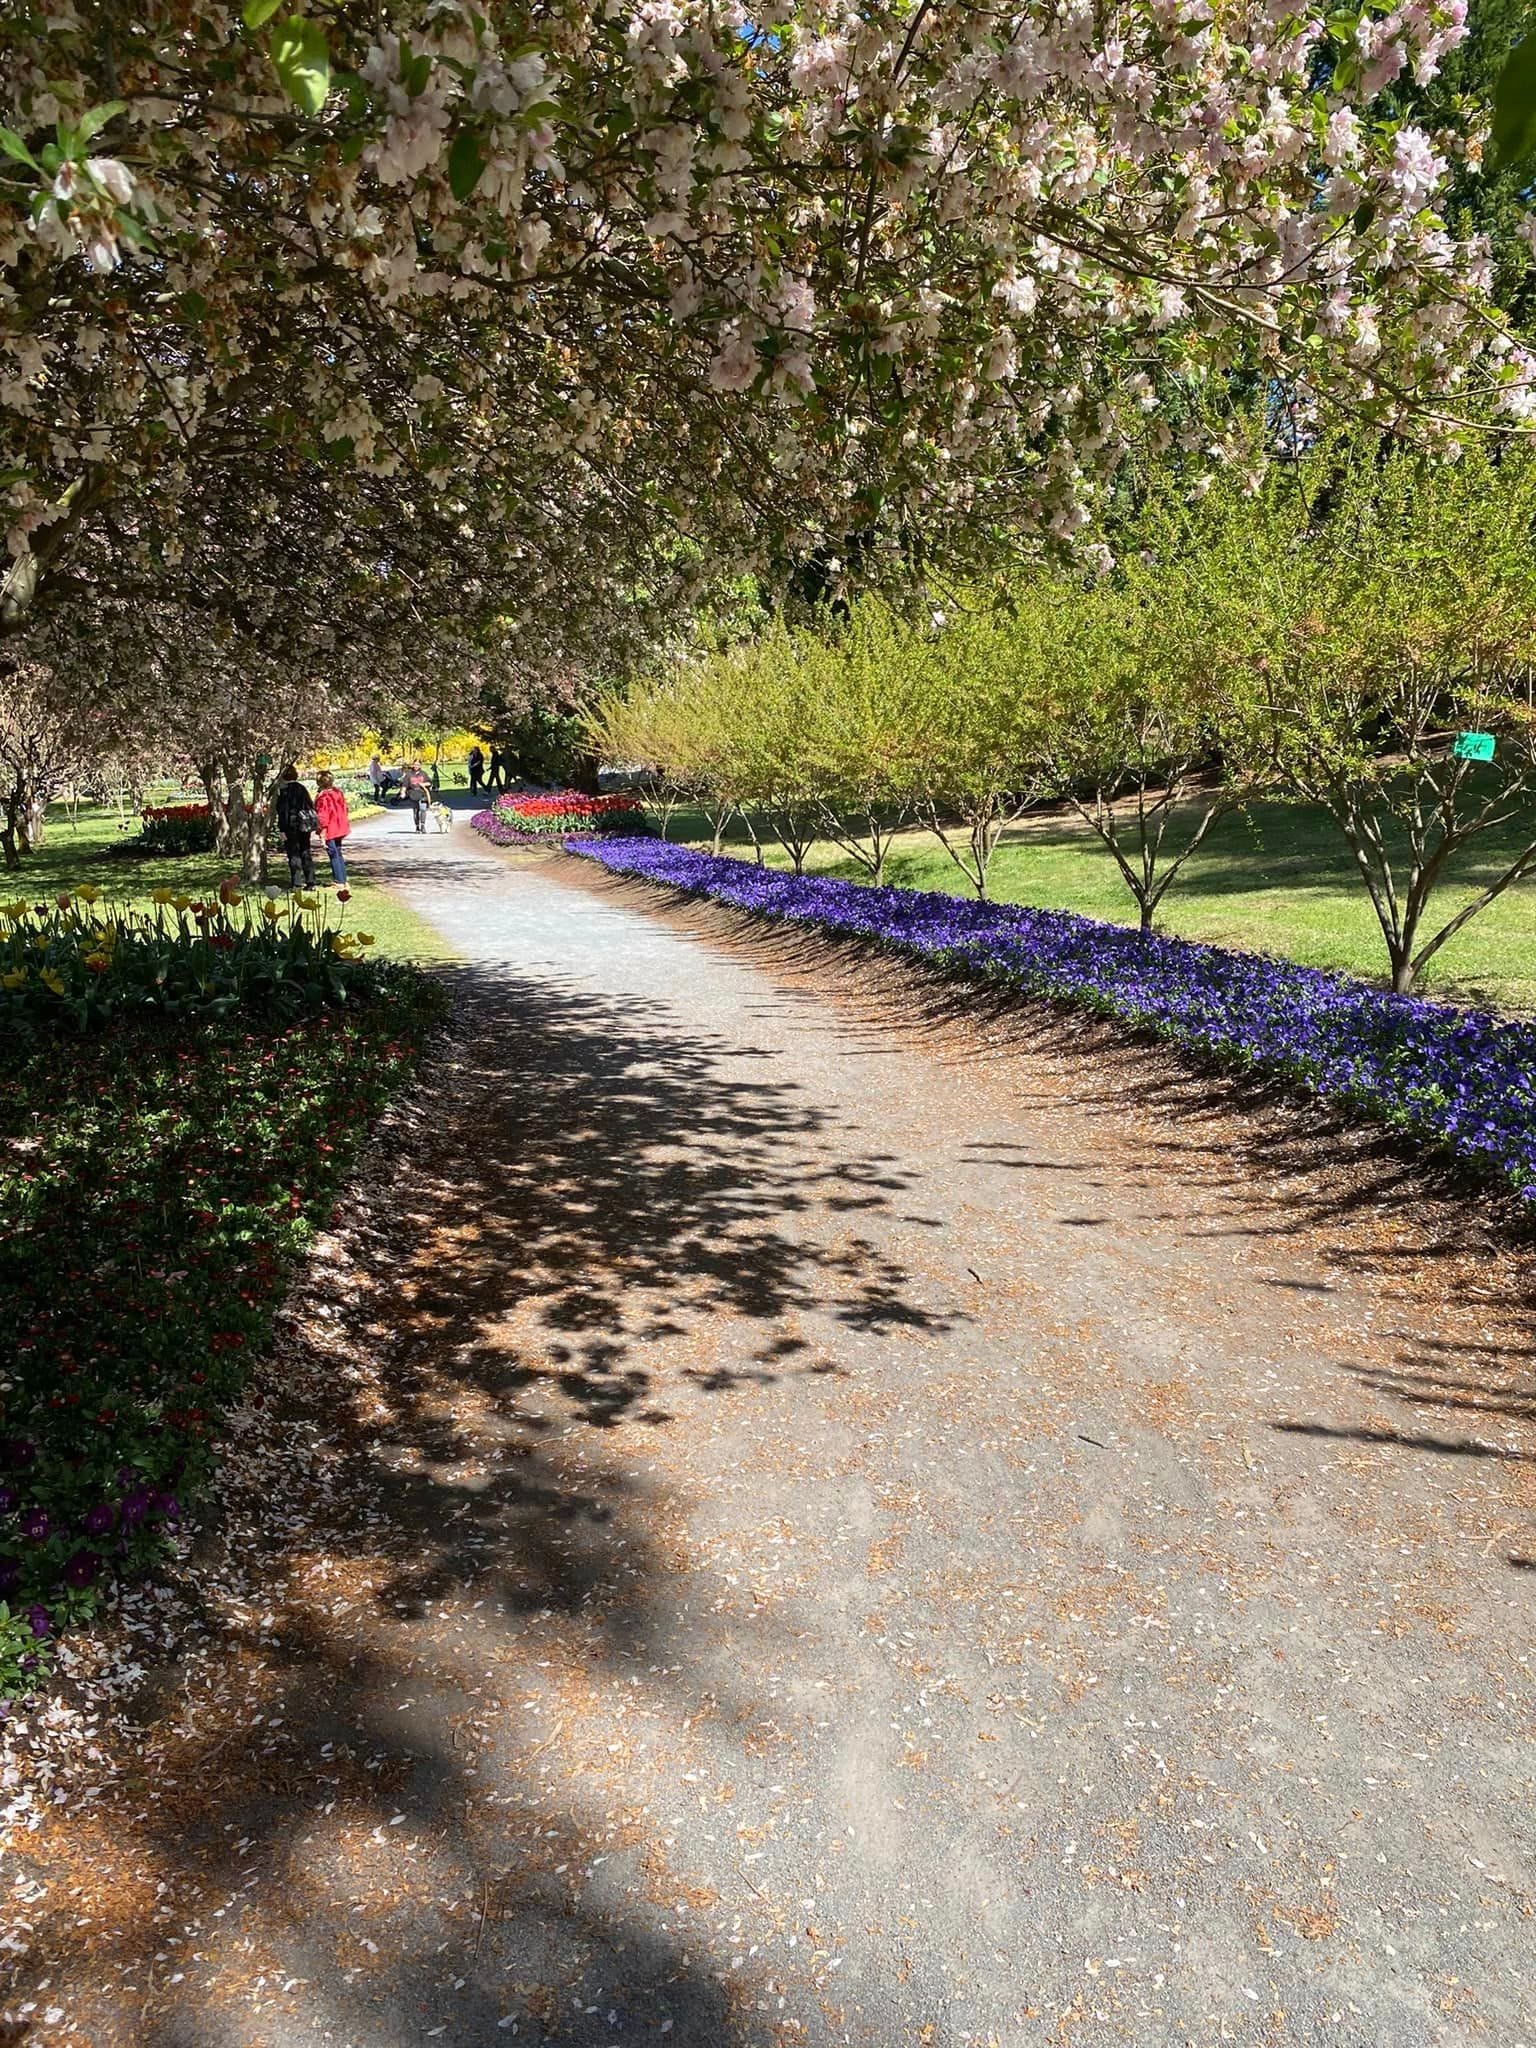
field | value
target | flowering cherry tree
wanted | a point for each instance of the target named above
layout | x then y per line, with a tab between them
795	270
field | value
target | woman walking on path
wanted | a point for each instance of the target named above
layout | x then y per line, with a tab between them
331	810
296	820
476	770
418	794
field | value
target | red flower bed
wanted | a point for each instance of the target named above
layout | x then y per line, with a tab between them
514	818
174	814
176	828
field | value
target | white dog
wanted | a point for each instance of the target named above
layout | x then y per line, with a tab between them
444	817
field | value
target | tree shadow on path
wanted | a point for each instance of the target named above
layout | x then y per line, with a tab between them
376	1795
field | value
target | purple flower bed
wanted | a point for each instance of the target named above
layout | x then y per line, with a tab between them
1455	1079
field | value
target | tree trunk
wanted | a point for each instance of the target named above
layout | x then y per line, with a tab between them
10	846
34	820
215	781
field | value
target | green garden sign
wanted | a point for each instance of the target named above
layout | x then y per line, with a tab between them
1473	746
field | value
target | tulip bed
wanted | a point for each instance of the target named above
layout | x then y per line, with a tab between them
1457	1080
79	963
515	820
174	829
155	1187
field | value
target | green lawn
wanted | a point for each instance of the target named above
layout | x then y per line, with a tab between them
78	852
1275	879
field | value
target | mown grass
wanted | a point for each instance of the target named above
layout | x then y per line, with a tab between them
1275	879
81	850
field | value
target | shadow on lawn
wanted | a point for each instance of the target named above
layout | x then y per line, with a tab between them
545	1243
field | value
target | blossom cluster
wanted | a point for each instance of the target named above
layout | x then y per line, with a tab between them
929	264
1457	1080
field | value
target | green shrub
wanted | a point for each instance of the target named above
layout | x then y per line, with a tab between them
156	1185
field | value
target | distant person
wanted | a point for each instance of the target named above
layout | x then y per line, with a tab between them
331	810
418	794
498	776
294	811
476	770
378	779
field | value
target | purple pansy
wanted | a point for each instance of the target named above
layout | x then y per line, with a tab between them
135	1506
1454	1078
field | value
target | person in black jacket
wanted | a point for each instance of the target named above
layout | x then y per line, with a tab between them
294	811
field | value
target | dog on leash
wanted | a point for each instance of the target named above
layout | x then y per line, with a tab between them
443	817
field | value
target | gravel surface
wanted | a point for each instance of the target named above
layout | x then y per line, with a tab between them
797	1510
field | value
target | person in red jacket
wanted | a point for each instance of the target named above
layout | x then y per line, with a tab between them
331	810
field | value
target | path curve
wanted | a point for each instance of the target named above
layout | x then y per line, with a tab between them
842	1549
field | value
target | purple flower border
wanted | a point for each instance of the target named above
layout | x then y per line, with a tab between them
1457	1080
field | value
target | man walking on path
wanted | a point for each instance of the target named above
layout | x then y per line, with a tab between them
476	770
331	810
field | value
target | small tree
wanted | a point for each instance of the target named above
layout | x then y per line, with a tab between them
979	754
1364	609
866	690
42	748
1134	732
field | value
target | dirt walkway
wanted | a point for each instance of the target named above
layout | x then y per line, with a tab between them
784	1519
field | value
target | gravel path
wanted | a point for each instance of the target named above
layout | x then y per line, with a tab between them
792	1521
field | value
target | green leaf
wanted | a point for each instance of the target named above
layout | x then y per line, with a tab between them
257	13
466	162
302	60
94	119
13	146
1514	106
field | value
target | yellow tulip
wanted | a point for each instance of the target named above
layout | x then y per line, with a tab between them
180	903
365	938
53	981
88	892
161	897
270	912
308	902
97	962
15	979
